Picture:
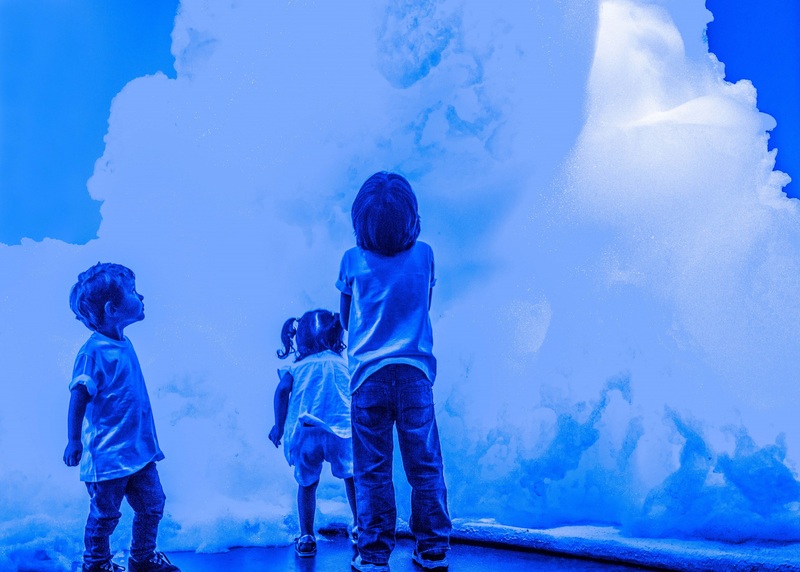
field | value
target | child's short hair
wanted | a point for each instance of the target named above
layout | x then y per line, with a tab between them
385	217
316	331
103	282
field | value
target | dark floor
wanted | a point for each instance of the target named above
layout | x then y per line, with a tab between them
334	554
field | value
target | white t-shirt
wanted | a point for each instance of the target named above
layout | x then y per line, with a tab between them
389	319
119	434
320	397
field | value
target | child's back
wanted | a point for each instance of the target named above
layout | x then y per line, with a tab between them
390	321
320	396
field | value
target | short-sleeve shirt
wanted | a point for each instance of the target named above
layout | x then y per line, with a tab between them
320	397
389	318
119	434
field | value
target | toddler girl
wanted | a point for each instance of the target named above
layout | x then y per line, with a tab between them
312	410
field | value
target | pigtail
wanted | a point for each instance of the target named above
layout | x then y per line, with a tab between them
288	332
315	332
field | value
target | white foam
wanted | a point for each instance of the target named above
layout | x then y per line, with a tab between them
617	267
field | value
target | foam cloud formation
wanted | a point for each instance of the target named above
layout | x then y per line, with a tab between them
617	267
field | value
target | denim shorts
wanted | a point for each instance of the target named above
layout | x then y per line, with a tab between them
312	447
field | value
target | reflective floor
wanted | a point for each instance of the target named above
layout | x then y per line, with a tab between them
334	554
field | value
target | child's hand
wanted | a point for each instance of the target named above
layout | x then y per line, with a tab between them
275	435
73	453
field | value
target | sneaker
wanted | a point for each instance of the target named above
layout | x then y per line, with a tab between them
106	566
361	566
305	546
354	536
158	562
431	561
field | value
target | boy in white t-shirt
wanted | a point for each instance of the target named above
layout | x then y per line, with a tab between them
110	423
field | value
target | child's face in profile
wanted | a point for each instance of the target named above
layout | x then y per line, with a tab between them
131	307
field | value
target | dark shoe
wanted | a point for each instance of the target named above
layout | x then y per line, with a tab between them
106	566
305	546
431	561
158	562
361	566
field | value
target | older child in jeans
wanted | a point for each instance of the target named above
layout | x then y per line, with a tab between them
385	285
119	449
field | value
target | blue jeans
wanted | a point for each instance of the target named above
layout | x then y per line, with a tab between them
146	497
400	394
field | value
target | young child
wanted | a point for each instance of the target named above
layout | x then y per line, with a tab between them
118	449
385	285
312	405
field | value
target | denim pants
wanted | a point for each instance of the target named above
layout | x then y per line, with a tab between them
146	497
401	394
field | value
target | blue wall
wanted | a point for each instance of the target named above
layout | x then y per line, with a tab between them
759	41
62	63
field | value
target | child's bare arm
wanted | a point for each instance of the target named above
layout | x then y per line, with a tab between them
79	397
344	310
281	406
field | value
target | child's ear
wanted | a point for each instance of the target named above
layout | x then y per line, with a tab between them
109	308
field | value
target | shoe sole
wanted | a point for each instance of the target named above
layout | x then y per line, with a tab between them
312	545
443	567
353	566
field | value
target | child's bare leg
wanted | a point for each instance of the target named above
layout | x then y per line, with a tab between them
350	490
306	507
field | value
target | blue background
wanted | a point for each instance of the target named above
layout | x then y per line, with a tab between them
63	63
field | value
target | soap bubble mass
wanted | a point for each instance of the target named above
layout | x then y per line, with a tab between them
617	267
